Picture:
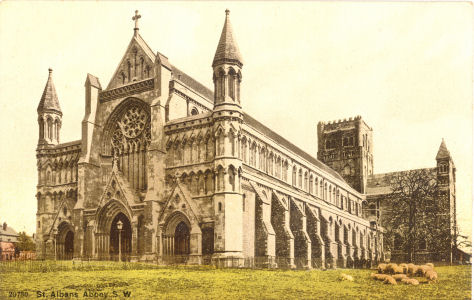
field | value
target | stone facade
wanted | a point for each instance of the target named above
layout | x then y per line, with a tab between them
191	176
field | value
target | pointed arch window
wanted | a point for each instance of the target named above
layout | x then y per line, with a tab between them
293	179
142	67
57	125
50	129
300	178
221	80
285	171
232	80
41	128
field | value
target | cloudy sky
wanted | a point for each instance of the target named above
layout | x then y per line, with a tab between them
405	67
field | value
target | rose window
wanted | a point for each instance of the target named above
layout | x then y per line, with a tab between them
133	122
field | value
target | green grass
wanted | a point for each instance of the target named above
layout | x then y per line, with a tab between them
154	282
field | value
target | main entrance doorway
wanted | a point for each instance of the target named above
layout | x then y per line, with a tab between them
125	245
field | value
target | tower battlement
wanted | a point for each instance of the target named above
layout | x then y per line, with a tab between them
341	123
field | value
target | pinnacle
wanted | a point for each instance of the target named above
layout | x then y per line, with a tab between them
443	151
227	49
49	99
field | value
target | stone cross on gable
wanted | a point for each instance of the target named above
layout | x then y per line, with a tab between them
135	18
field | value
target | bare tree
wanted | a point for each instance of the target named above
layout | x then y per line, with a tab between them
413	202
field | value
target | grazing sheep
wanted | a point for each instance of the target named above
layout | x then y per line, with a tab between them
431	275
411	281
430	265
399	277
381	268
412	269
398	270
390	269
389	280
404	267
380	277
422	270
346	277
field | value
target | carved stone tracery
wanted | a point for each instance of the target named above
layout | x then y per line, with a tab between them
127	138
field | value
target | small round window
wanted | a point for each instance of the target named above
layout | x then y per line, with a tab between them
194	111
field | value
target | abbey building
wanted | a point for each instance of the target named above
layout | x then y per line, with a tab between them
172	172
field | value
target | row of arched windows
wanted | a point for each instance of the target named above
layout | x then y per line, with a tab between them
60	173
135	67
443	168
227	84
206	182
266	161
190	151
49	202
49	128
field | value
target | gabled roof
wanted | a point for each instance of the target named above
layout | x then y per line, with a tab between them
443	151
140	42
290	146
227	49
192	83
49	99
8	231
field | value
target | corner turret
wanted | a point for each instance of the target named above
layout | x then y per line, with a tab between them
49	114
227	67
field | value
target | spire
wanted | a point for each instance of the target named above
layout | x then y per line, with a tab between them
227	49
49	100
443	151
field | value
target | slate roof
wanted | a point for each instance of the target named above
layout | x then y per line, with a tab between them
227	49
287	144
49	99
9	233
192	83
443	151
380	184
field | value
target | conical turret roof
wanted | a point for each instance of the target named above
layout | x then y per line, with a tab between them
227	49
49	99
443	151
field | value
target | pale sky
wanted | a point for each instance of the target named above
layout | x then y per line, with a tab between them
405	67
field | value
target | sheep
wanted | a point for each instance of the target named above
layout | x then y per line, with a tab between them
399	277
411	281
404	267
389	280
412	269
398	270
390	269
380	277
346	277
431	275
422	270
430	265
381	268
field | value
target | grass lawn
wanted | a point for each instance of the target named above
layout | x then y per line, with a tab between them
152	282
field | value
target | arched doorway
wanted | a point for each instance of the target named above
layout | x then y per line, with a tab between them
125	238
65	241
176	239
181	239
69	245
